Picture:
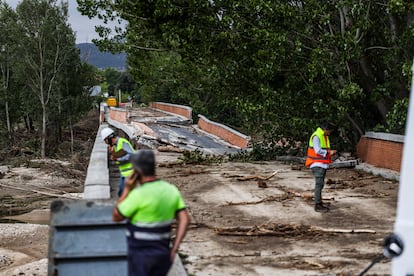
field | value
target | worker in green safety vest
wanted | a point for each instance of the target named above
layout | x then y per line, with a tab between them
151	207
318	159
121	150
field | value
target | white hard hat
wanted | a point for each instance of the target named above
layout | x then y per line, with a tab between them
106	132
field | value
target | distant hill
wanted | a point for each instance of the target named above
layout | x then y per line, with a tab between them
90	53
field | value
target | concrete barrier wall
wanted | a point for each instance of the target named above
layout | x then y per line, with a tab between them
224	132
97	176
382	150
181	110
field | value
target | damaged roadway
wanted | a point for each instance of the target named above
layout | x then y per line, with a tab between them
253	218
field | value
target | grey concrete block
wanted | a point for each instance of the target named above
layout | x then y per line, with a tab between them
98	175
177	269
96	192
98	161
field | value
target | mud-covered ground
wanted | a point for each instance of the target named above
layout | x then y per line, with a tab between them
247	218
27	187
244	225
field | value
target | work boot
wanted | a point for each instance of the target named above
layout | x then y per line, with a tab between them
321	208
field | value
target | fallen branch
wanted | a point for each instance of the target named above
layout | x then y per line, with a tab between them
266	199
314	264
257	177
237	242
307	196
277	229
39	192
349	231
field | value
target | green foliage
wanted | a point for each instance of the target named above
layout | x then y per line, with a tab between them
273	68
198	157
115	81
43	84
396	118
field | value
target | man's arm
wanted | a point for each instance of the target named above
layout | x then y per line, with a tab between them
130	184
319	150
183	221
127	151
317	146
116	216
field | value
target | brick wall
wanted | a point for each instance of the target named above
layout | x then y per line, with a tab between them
119	115
381	150
181	110
224	132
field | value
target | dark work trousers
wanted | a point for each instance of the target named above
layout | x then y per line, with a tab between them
319	174
141	264
148	257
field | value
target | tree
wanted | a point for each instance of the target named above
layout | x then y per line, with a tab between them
276	68
8	57
47	46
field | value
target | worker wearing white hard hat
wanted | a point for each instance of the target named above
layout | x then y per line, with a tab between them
121	150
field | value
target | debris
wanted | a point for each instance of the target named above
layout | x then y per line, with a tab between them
343	164
307	196
269	198
39	192
170	148
237	242
297	167
257	177
349	231
330	181
278	229
170	164
315	264
3	171
261	184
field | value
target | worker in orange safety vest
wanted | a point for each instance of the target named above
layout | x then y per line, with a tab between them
318	159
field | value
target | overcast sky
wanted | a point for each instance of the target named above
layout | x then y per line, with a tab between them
82	25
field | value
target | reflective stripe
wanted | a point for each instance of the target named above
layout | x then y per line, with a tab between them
152	236
153	224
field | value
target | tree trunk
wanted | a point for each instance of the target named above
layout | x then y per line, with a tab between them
71	136
9	131
43	134
6	80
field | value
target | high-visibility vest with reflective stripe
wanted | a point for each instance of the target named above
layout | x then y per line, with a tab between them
312	156
127	168
150	231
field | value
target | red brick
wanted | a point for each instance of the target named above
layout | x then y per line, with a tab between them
380	153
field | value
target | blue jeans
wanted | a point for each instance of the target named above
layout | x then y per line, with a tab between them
319	174
121	186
